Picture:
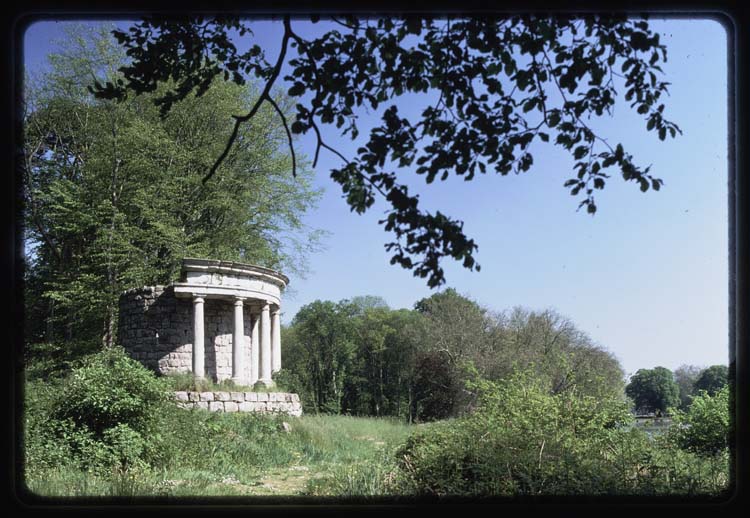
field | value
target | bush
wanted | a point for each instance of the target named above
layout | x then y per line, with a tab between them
521	440
186	381
524	441
704	428
288	381
46	360
108	409
42	446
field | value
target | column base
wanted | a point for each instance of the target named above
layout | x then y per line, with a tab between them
264	384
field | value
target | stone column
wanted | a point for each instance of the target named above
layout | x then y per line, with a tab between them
238	341
199	370
275	340
265	346
254	350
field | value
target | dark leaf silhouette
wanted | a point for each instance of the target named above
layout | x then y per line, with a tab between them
501	84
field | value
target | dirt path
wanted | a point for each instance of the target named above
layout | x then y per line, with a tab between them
290	480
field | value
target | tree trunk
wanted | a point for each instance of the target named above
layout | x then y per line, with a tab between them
109	328
411	405
50	333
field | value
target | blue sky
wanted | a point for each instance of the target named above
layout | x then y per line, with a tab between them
646	277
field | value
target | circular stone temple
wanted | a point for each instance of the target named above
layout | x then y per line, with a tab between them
220	320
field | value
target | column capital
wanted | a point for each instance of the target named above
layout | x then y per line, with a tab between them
197	299
239	301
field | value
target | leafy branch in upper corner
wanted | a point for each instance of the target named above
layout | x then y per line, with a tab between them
501	84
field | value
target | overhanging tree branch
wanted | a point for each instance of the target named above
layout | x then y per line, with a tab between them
264	96
468	61
288	134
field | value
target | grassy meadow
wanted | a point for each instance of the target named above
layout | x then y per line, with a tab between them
247	455
110	428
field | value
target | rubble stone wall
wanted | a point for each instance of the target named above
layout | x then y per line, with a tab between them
156	328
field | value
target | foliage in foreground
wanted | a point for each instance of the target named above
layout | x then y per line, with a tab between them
104	413
704	428
107	430
503	83
524	441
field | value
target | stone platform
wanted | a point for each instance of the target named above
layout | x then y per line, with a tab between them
262	402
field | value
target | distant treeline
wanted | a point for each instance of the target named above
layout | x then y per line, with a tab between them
360	357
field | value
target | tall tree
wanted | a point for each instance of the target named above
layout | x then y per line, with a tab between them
499	84
358	356
496	344
113	191
712	379
320	352
456	327
653	390
685	376
551	345
372	329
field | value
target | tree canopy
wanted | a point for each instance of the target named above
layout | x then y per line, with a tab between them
685	377
653	390
113	192
712	379
360	357
499	84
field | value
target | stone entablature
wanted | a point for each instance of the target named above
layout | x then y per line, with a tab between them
262	402
226	279
221	320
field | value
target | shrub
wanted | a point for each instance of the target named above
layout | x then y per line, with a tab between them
42	446
187	381
125	444
523	440
288	381
46	360
109	407
704	428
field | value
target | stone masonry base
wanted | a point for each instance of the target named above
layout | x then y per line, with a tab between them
263	402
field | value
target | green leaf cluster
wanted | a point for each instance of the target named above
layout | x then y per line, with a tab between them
114	197
705	427
523	441
653	390
360	357
500	83
105	413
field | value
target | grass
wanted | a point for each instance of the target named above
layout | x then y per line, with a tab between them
221	454
187	382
